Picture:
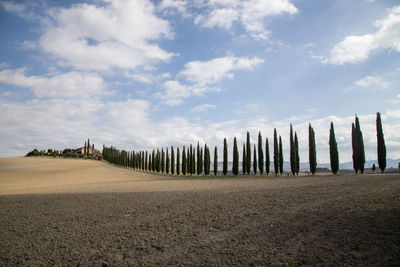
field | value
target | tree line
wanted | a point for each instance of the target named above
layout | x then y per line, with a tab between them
192	160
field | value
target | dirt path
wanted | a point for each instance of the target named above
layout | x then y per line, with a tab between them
90	213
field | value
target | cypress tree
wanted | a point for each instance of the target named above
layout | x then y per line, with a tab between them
201	160
292	152
149	166
280	156
360	146
248	153
158	161
189	160
296	147
153	163
88	147
145	162
244	160
162	160
143	159
193	161
172	160
254	160
84	149
198	159
178	161
235	166
260	154
333	151
215	161
184	167
167	162
312	153
225	158
206	160
381	143
354	144
276	153
267	160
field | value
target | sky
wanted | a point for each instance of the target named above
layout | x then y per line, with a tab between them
147	74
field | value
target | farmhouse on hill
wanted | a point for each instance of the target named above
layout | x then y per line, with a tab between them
88	149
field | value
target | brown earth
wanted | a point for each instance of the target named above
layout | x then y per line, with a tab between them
77	212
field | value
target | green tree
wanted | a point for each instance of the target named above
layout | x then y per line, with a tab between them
260	154
190	170
145	162
267	160
235	166
193	165
248	153
201	160
280	156
354	144
206	160
225	158
333	151
198	159
184	168
297	157
244	160
254	160
188	161
312	152
88	147
178	160
153	163
172	161
381	143
276	153
149	166
167	162
162	160
360	146
84	149
158	158
215	161
292	152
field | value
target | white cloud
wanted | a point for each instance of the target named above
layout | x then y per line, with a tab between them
70	84
357	48
373	82
252	14
146	77
18	9
171	6
203	107
118	34
207	72
173	92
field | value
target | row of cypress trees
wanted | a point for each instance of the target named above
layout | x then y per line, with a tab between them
197	160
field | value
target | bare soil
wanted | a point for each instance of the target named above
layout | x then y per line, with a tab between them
88	213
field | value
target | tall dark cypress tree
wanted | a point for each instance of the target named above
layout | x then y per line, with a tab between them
145	162
360	145
198	159
267	160
193	161
297	157
333	150
167	162
292	152
153	163
206	160
235	166
178	165
276	153
354	144
280	156
312	152
149	166
215	161
260	154
244	160
225	158
188	161
184	168
201	161
248	153
158	163
84	149
162	160
254	160
381	143
172	161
